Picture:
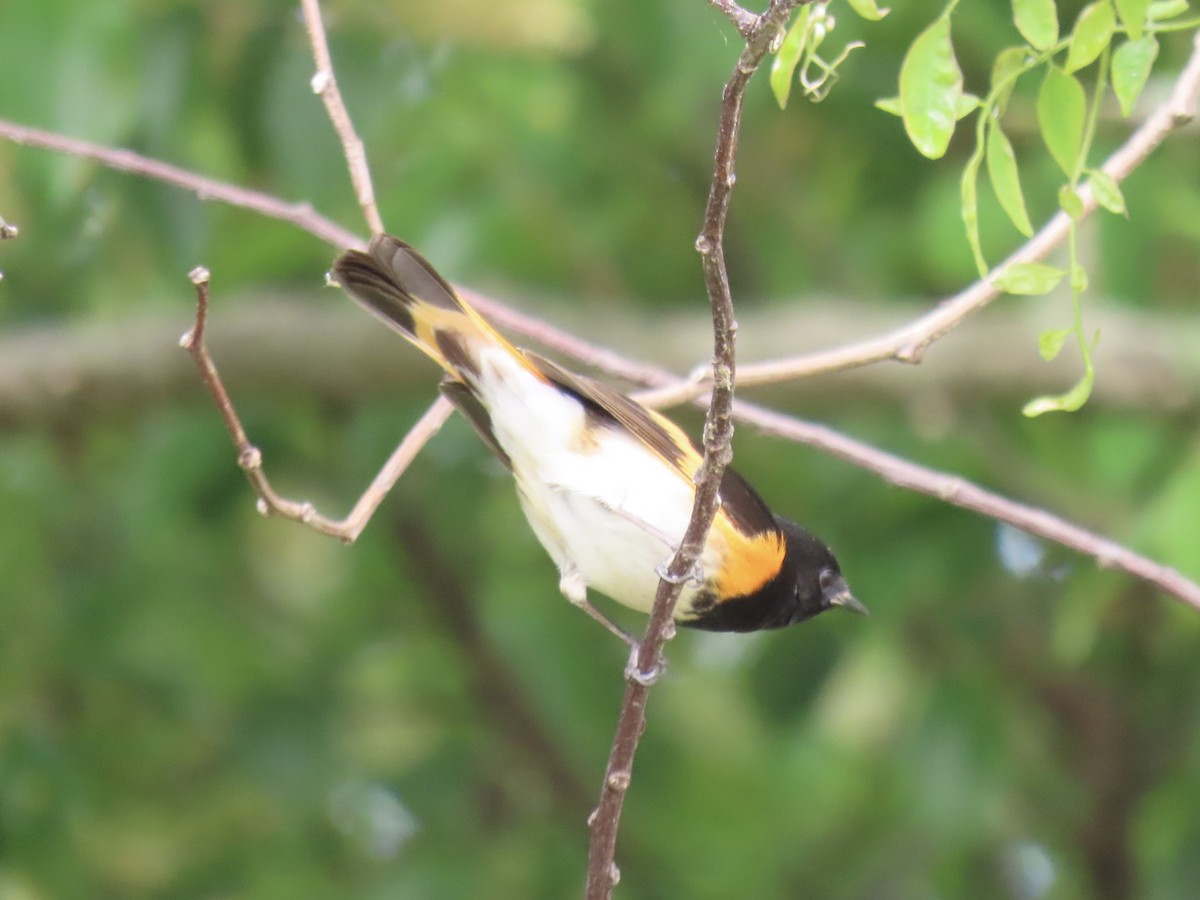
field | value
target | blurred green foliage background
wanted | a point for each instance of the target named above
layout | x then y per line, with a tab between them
197	702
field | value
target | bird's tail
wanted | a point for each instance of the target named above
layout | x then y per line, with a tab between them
397	285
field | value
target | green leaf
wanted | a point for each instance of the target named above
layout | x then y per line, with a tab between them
1051	342
1037	20
1131	66
1107	192
1167	9
1068	402
1076	396
1061	105
889	105
1079	280
1005	71
1133	16
970	208
1070	202
967	104
1006	182
930	87
783	67
1093	32
1028	279
868	10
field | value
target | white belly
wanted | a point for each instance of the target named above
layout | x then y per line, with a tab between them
601	503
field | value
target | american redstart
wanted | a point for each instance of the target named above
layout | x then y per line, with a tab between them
606	484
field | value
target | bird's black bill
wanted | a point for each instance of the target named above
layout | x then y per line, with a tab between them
838	594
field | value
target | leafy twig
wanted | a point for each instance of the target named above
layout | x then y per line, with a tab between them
909	342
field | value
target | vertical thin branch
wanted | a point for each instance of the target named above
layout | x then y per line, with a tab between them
324	84
602	873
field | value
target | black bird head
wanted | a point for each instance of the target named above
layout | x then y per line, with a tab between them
808	583
812	575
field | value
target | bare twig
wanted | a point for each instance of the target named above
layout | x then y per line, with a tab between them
602	874
304	217
960	492
348	529
250	457
301	215
909	342
324	84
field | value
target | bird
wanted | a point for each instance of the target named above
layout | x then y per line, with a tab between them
606	484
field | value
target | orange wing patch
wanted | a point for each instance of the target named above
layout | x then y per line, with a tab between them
750	561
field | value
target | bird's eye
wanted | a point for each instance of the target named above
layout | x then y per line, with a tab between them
826	579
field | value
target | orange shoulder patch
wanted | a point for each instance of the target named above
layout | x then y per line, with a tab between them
749	561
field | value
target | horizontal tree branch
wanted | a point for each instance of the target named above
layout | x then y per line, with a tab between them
962	493
271	346
63	376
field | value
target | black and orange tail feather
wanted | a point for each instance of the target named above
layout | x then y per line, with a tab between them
395	283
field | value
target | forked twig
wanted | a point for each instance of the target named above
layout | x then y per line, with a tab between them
324	84
250	457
